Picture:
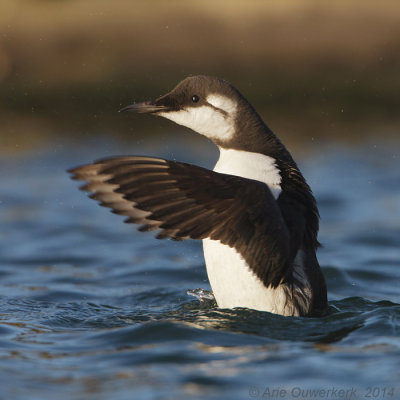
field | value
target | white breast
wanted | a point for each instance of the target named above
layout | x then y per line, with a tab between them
252	166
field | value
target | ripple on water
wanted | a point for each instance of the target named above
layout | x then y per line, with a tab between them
90	308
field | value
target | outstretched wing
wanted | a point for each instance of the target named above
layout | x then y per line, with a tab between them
185	201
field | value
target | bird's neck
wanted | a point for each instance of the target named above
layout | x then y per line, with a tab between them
256	153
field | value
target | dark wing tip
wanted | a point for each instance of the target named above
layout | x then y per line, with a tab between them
73	172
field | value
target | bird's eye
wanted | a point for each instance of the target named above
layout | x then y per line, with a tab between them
195	98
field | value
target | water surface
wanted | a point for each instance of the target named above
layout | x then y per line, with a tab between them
91	308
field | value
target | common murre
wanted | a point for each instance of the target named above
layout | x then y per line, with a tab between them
255	213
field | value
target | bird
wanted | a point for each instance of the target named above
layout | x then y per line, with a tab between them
254	212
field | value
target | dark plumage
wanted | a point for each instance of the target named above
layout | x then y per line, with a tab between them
175	199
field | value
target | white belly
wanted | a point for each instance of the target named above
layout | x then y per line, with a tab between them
234	285
232	281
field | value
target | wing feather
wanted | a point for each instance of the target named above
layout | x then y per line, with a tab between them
184	201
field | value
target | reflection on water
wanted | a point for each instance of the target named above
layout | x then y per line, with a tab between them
90	308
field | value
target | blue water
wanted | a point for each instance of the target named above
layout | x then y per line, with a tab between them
92	309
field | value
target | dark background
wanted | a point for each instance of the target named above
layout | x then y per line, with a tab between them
314	70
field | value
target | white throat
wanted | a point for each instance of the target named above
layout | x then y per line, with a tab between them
251	166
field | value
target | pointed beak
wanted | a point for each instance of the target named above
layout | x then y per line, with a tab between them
146	107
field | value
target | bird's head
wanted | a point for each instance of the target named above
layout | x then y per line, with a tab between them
206	105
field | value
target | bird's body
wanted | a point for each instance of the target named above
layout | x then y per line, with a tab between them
255	212
231	279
